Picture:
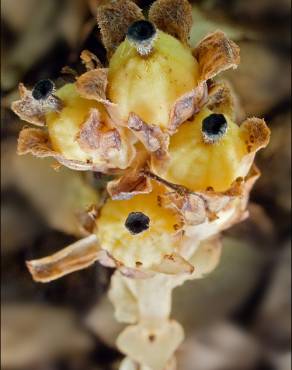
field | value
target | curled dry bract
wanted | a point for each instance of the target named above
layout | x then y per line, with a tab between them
109	144
78	256
129	185
92	84
257	133
186	106
90	60
131	181
152	137
221	99
216	53
91	137
73	258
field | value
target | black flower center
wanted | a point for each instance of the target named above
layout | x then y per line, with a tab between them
137	222
214	127
140	31
43	89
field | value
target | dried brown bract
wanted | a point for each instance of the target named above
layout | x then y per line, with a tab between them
257	133
173	17
76	257
216	53
222	99
114	19
92	84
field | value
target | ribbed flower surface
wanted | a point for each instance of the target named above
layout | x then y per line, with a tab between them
64	126
147	247
149	86
198	165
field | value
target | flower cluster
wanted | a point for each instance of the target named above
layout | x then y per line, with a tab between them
158	121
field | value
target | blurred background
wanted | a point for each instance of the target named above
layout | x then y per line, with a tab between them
238	318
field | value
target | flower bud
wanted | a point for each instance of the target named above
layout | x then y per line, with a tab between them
83	132
212	151
137	231
148	73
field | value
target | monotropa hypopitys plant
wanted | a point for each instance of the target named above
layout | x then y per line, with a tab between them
181	168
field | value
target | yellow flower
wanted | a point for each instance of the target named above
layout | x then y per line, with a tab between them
150	85
79	135
211	151
64	126
138	232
